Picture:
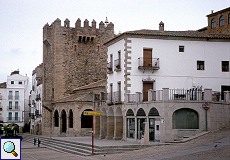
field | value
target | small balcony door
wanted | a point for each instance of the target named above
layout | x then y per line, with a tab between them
147	56
146	86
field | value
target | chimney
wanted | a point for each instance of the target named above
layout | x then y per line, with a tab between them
161	26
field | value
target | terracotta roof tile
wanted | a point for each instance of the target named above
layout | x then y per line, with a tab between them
146	33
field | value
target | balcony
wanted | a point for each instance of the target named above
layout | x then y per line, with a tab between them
109	67
13	119
114	98
31	115
13	108
10	97
16	97
148	64
117	65
38	97
117	97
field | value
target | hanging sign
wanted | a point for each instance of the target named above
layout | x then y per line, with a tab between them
92	113
205	106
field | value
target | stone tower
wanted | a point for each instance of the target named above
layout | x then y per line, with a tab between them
72	57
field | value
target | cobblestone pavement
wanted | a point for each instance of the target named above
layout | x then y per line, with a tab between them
212	146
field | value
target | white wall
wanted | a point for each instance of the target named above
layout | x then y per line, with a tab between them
177	69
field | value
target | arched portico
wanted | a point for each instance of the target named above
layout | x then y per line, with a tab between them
130	124
141	118
153	117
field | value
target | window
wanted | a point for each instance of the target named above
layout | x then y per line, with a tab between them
10	96
110	64
181	48
10	104
16	105
200	65
12	82
117	62
225	66
17	95
213	23
16	116
221	21
10	116
20	82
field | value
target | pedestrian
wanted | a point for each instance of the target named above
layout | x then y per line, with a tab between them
34	141
39	142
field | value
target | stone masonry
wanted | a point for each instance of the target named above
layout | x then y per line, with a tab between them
72	57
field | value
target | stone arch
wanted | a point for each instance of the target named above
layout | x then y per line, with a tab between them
70	118
185	118
86	121
129	112
56	118
153	112
141	118
110	112
118	112
63	121
130	124
141	112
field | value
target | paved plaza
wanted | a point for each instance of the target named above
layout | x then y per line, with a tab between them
211	146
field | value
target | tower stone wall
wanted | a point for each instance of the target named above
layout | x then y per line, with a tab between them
72	57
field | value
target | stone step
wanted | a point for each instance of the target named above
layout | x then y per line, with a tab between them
80	148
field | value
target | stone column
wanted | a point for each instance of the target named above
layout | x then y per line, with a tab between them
145	139
110	127
96	126
118	128
67	125
124	128
135	135
165	94
103	127
208	94
227	96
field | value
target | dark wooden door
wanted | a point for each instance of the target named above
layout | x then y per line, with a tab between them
147	57
146	87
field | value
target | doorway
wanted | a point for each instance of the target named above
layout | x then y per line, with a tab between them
151	129
146	86
224	88
140	127
63	117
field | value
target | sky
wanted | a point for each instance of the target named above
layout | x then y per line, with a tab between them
22	21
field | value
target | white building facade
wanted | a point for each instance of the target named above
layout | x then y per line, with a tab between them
35	101
157	77
15	96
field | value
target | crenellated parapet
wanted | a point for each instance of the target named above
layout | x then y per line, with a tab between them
84	32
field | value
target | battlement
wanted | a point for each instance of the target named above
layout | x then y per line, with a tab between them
84	33
85	27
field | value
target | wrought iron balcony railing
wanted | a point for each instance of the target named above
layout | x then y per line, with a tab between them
148	63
